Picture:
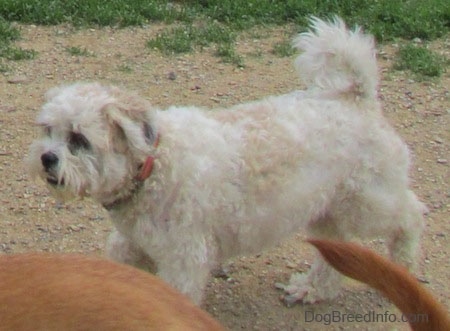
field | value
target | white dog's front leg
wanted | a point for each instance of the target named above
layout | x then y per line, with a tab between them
187	268
119	248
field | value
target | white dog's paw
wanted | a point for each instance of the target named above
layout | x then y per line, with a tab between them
299	290
319	284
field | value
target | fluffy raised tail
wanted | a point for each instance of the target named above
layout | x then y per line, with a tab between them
337	60
394	281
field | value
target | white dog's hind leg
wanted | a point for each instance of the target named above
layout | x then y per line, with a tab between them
403	247
404	243
321	282
120	249
398	218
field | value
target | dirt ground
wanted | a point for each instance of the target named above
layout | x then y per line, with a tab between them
246	298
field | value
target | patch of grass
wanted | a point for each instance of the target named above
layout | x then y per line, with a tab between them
17	54
174	41
215	33
93	12
7	32
78	51
3	68
420	60
204	22
284	49
387	19
228	55
257	53
125	68
186	38
183	39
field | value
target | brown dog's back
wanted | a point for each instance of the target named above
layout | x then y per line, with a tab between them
74	292
394	281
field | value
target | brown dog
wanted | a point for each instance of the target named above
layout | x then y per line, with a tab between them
72	292
392	280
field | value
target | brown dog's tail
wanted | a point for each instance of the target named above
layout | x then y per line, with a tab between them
394	281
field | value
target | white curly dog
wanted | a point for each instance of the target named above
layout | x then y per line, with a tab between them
188	188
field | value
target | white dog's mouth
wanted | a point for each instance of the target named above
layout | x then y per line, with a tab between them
53	180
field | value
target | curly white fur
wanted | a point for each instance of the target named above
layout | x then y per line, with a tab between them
234	181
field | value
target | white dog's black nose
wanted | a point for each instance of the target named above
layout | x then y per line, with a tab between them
49	160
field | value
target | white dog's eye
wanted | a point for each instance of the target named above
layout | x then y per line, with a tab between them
78	141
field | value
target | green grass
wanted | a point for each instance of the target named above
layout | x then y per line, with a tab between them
420	60
387	19
125	68
8	35
200	23
7	32
229	55
174	41
185	38
284	49
16	54
3	68
78	51
92	12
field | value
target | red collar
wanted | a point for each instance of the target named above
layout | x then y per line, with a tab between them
147	166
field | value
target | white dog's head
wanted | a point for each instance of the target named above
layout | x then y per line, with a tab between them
96	140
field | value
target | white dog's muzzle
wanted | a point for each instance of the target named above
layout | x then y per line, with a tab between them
50	162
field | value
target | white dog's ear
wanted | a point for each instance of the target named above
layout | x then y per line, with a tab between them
138	132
